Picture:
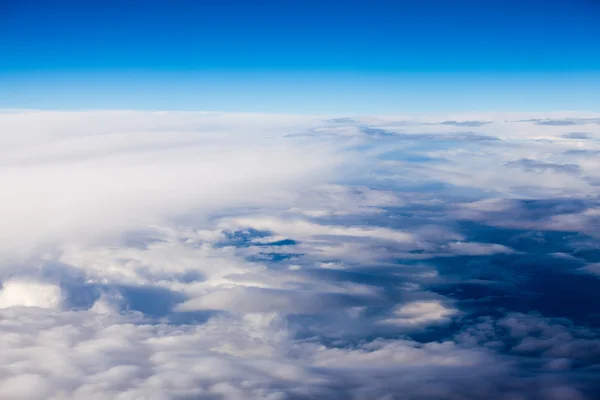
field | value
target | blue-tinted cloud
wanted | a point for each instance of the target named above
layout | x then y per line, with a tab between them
577	135
539	166
208	255
472	124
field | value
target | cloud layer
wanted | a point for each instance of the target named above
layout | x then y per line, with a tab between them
246	256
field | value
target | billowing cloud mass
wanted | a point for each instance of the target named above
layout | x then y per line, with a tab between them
181	255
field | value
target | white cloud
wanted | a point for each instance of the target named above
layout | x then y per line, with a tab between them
138	255
82	355
17	292
478	249
79	177
304	230
420	313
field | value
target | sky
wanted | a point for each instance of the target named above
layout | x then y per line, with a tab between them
299	200
301	56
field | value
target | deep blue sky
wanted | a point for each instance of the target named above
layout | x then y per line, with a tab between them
301	55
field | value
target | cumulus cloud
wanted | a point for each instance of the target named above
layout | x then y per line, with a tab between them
419	313
478	249
82	355
246	256
66	183
22	293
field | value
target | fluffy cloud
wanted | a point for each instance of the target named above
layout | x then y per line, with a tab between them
245	256
420	313
23	293
65	181
82	355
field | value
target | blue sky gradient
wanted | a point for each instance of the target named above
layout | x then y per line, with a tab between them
304	56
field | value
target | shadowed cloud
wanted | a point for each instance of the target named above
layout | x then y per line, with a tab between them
241	256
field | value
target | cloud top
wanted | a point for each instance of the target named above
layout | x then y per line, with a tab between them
249	256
